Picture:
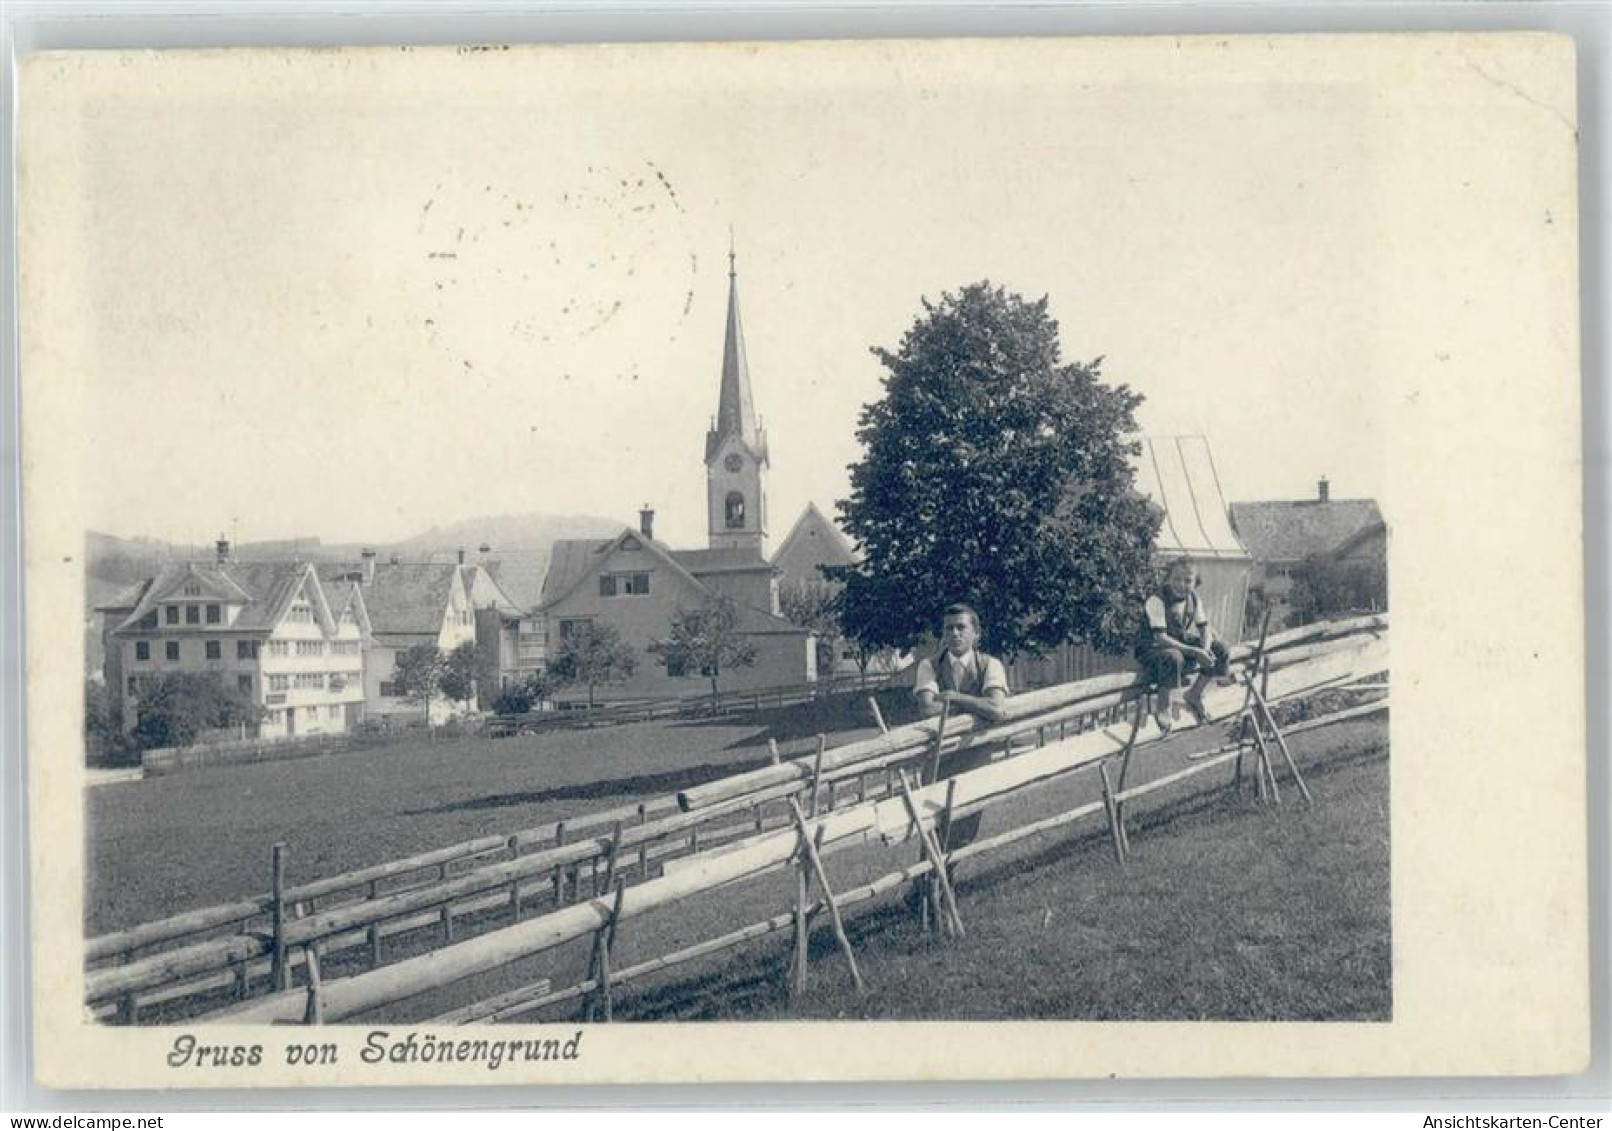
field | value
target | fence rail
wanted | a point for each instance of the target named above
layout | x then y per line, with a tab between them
723	703
566	863
1315	659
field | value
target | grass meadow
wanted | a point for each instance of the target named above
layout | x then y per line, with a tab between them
1228	909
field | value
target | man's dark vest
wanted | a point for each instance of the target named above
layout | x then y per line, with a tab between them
973	676
1183	627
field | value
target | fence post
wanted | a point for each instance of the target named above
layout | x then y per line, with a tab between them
281	968
515	884
643	848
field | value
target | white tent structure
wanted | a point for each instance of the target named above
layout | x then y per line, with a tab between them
1178	473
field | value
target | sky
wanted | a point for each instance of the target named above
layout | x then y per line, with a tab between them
354	296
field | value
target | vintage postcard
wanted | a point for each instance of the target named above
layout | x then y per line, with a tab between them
951	560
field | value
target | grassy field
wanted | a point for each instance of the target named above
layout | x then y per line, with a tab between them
1228	909
164	845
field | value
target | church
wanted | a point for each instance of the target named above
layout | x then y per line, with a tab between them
636	582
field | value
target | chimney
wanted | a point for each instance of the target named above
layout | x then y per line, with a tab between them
461	555
222	548
646	521
368	556
1323	490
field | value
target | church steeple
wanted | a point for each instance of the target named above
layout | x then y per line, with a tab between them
736	409
735	446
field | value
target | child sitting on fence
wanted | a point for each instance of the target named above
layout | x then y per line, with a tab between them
1177	642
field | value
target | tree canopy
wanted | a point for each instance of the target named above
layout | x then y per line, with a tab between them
995	473
706	639
460	670
175	708
417	675
593	654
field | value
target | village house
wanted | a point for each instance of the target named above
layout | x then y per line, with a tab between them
446	604
637	584
1283	536
273	631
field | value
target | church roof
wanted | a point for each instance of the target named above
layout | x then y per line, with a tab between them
811	542
736	409
728	559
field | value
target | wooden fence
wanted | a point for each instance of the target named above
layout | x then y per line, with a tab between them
753	824
575	716
233	752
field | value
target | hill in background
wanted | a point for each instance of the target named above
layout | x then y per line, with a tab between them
520	544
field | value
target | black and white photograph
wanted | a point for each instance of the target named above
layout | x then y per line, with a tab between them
545	549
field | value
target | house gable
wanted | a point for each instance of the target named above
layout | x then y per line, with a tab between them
626	558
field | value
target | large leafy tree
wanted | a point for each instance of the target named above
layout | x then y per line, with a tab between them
706	639
460	669
995	473
177	707
593	654
417	676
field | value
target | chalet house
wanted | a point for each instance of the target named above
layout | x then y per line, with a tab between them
285	639
1283	535
413	603
637	584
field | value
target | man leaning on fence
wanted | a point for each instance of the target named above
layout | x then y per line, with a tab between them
962	678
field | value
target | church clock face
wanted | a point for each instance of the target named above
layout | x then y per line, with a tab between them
733	462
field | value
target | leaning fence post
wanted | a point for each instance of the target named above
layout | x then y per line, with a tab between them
878	716
314	1012
281	968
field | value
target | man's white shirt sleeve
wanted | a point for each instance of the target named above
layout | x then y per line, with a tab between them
995	677
924	678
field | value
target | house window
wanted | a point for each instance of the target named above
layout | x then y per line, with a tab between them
246	649
733	508
279	682
171	614
215	614
134	685
624	585
310	647
215	650
149	620
192	589
388	690
243	684
675	667
172	649
279	647
142	650
192	614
